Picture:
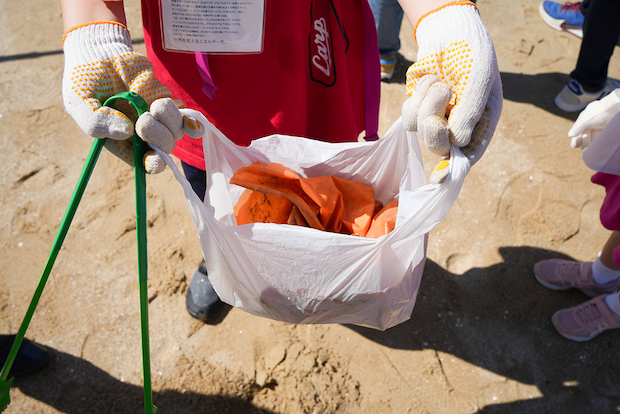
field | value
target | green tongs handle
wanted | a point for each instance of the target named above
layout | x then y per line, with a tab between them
140	183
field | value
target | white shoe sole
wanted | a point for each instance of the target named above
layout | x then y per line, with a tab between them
557	24
576	32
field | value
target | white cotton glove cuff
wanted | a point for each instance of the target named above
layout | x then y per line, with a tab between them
593	119
454	45
85	47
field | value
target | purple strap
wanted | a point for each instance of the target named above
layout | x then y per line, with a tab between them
372	75
208	86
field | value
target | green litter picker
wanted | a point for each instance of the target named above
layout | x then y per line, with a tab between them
140	183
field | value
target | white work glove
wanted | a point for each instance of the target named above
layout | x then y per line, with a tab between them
593	119
99	63
455	86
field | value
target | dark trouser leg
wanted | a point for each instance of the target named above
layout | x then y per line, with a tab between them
197	178
388	18
601	30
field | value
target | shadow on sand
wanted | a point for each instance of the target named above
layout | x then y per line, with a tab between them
73	385
498	318
539	90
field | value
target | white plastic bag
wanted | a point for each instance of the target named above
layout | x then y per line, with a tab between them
302	275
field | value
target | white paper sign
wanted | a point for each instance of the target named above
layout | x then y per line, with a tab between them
223	26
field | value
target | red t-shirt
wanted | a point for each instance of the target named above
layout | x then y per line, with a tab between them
289	88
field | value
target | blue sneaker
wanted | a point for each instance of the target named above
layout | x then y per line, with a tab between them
566	17
388	64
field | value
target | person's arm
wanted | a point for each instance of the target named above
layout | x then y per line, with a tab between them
415	9
78	12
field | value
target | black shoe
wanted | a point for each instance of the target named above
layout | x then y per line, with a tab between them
202	302
30	357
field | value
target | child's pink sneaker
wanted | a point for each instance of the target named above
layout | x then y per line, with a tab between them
583	322
560	274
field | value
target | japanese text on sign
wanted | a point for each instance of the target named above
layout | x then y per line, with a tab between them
213	26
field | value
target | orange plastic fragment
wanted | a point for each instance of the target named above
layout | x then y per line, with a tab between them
296	218
384	222
378	207
359	206
258	177
323	191
255	207
275	169
277	194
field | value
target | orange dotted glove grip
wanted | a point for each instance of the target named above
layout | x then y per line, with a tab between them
99	63
454	87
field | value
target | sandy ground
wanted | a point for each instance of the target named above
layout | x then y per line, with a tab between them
479	339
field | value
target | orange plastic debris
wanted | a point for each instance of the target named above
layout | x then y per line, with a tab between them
258	177
359	205
345	206
255	207
275	169
326	195
296	218
326	203
384	221
378	207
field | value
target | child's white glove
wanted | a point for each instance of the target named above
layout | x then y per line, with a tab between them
99	63
455	86
593	119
